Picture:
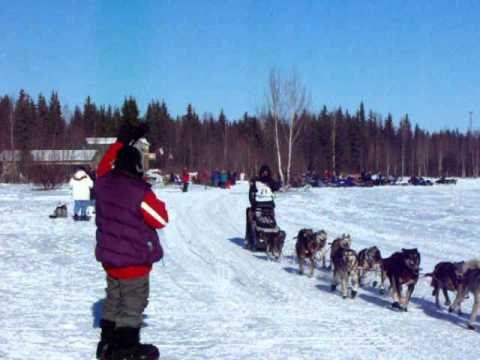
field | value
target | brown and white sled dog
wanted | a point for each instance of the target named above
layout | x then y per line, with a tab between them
308	245
446	276
345	270
462	267
344	241
401	268
470	283
369	259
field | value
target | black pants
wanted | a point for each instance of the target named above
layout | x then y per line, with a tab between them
185	187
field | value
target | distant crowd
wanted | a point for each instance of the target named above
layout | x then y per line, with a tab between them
216	178
364	179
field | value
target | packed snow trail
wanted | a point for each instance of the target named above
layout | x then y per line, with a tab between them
211	299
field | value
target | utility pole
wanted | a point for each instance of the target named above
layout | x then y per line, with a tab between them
475	152
225	144
334	138
470	122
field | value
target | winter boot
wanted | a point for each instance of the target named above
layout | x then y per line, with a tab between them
76	217
107	337
84	218
396	306
128	347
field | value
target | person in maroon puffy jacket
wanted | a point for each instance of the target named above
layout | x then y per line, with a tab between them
127	216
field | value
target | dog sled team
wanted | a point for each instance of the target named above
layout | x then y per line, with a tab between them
401	269
350	268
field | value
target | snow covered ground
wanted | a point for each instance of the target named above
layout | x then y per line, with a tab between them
213	300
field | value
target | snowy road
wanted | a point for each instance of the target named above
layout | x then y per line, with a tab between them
214	300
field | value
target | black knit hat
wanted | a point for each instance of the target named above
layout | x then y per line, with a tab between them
129	159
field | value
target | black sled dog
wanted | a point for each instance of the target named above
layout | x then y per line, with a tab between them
445	278
401	268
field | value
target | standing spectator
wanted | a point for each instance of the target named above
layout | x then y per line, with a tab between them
327	176
128	214
81	185
223	179
216	178
204	178
185	179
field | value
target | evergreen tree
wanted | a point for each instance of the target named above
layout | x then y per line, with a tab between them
389	136
222	121
77	128
24	119
41	128
323	141
405	144
90	117
56	123
362	136
130	111
6	123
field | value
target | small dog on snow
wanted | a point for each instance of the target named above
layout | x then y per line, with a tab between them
59	212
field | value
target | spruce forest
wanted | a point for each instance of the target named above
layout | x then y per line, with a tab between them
330	139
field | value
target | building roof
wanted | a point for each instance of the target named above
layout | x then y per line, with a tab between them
100	140
51	155
109	140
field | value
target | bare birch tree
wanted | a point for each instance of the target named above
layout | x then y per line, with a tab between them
286	103
276	111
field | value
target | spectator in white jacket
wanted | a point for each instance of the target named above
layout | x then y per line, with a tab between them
81	184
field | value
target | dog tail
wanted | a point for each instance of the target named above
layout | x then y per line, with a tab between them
429	275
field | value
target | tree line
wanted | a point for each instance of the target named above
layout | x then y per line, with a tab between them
331	139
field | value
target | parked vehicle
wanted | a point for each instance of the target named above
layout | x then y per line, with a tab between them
445	181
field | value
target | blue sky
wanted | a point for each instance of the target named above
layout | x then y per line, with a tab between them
415	57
